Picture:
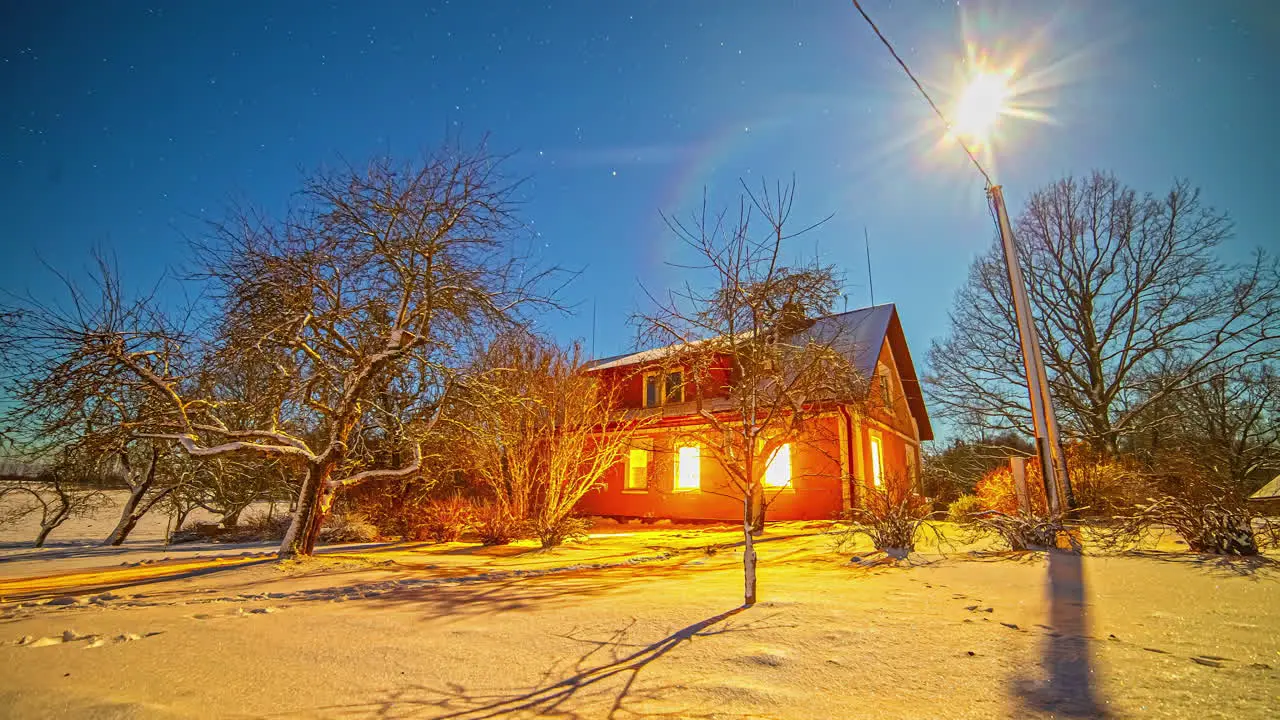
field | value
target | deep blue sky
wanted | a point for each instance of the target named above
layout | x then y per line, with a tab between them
124	122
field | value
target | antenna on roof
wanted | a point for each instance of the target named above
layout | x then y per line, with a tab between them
870	283
593	328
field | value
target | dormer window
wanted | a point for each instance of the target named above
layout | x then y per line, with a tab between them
662	388
675	387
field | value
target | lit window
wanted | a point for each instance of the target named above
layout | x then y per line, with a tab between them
778	472
877	463
688	470
637	469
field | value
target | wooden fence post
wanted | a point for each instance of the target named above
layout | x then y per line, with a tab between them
1018	465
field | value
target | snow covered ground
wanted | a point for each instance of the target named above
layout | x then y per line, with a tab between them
638	621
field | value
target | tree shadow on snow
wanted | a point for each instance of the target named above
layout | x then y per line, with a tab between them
453	598
1067	689
601	683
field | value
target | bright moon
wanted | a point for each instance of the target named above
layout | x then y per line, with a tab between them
980	105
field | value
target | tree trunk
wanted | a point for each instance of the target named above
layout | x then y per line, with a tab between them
44	533
300	539
231	518
758	512
748	556
180	517
129	516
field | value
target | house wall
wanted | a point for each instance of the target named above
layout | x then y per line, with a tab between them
831	470
630	379
886	416
815	493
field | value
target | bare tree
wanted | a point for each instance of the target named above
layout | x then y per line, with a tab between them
389	271
1226	425
543	432
956	469
758	377
61	492
66	404
1121	284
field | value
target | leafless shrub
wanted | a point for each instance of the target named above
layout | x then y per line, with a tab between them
258	527
446	519
1219	526
565	529
1106	486
540	431
996	490
893	518
198	532
59	493
1023	532
397	508
1267	532
348	527
496	525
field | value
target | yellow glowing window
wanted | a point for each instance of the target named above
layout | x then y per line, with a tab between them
778	472
688	470
877	463
637	469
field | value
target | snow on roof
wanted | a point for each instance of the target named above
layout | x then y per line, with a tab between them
1270	491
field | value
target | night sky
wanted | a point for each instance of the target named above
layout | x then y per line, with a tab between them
123	123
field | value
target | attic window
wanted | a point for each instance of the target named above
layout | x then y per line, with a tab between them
663	388
675	387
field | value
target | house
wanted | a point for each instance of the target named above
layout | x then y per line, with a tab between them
1267	498
854	446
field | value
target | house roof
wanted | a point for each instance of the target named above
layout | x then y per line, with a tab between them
1270	491
858	334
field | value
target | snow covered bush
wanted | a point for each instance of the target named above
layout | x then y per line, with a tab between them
962	509
1022	532
556	533
1219	525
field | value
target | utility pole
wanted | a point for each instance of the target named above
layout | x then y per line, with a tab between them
1048	441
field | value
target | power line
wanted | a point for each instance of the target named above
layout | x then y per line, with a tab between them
946	123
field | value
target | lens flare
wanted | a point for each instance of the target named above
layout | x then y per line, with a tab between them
980	105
